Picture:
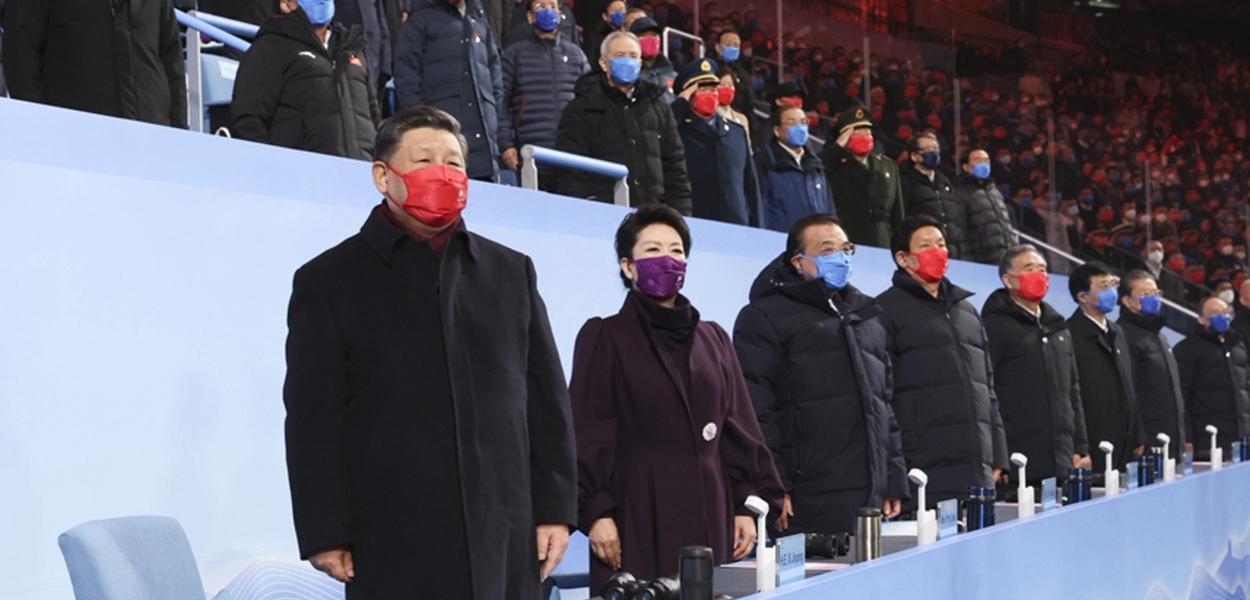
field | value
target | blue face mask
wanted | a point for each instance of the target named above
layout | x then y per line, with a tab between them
320	12
546	19
730	53
796	135
617	19
624	70
1219	323
981	171
930	160
835	269
1107	300
1151	305
1026	202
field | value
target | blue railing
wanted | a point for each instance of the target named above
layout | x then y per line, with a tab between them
238	28
530	155
213	31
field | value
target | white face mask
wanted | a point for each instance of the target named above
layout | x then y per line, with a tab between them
1155	257
1226	296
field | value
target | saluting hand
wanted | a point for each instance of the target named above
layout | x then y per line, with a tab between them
553	540
336	563
605	543
744	535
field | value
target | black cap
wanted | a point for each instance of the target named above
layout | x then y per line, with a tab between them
786	90
644	24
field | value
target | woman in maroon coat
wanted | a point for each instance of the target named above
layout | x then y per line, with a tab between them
668	446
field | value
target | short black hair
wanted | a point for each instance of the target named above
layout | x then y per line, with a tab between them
393	129
913	145
723	32
794	241
1078	281
648	214
779	111
1009	257
1126	283
901	240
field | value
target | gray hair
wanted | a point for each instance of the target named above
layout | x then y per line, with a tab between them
1009	257
612	37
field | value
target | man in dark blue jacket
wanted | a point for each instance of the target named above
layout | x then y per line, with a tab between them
371	16
539	74
943	379
447	59
723	186
791	175
815	356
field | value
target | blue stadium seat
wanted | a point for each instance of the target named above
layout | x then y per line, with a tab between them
131	558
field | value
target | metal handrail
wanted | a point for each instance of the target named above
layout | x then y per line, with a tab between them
531	155
231	26
213	31
681	34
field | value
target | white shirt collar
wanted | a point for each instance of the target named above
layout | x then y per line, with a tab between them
1103	325
1037	314
796	154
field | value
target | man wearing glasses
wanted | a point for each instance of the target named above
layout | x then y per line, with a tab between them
1155	374
1213	368
1104	364
814	354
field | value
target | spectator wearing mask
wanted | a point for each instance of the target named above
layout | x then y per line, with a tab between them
447	59
656	69
1214	370
86	55
294	90
723	185
816	360
539	74
729	52
990	231
865	186
792	178
612	19
943	380
521	28
1035	373
926	191
617	118
726	94
1105	364
668	446
1156	378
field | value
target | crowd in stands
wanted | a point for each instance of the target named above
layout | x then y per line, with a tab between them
316	78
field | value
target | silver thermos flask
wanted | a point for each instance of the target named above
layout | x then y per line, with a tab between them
867	534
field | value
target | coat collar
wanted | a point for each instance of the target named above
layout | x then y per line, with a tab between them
948	294
1151	324
382	236
1000	302
780	159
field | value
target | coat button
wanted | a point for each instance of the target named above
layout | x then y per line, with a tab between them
633	141
477	135
1045	340
1227	354
709	432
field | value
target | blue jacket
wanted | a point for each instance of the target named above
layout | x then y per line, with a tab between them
372	18
538	80
790	191
718	161
451	62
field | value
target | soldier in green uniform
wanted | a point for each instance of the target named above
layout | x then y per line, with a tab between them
865	186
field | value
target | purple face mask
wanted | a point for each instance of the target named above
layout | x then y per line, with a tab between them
660	277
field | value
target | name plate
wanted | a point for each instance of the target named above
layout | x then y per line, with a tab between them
1187	463
791	559
948	518
1130	472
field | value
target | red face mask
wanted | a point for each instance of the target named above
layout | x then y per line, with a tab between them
932	264
725	95
791	101
650	47
436	195
813	121
860	145
1033	286
704	103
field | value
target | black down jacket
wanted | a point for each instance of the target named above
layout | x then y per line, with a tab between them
943	396
1035	379
1213	381
639	132
1156	379
988	231
818	369
291	91
937	199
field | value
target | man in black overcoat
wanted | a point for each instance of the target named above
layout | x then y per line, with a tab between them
428	432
